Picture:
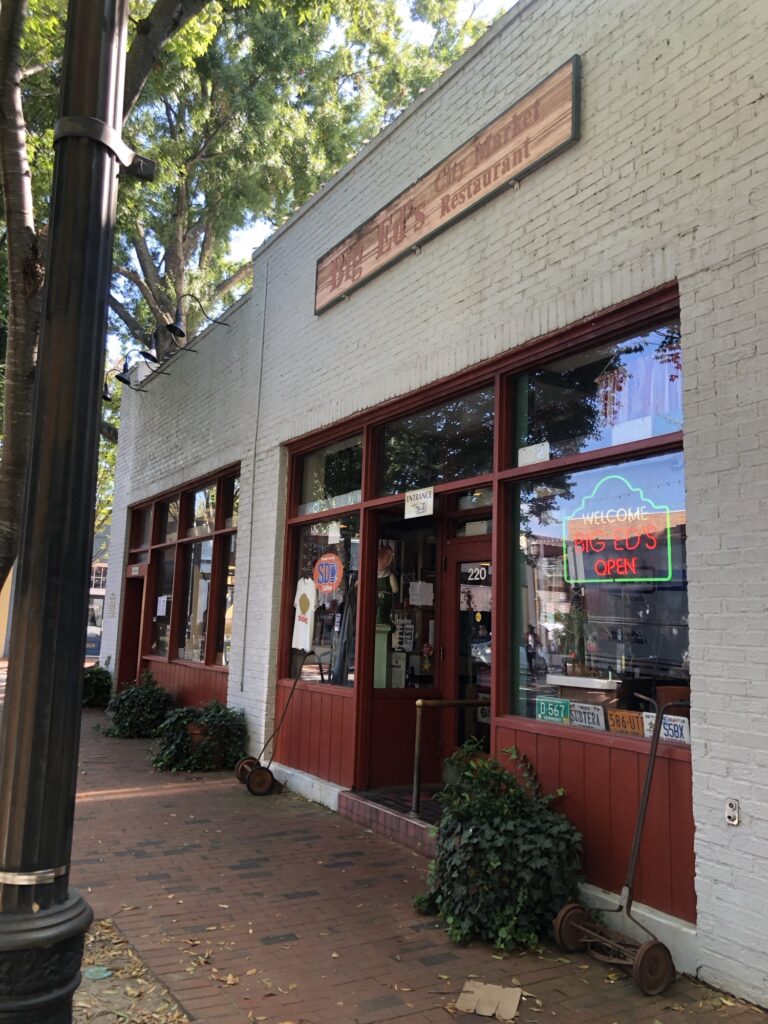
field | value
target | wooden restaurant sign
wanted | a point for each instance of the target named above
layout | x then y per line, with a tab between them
533	130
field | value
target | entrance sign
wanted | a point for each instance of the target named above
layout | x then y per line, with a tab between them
617	535
328	573
536	128
419	503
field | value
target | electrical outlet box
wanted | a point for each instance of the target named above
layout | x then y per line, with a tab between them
732	811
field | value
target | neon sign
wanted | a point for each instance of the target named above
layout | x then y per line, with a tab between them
617	536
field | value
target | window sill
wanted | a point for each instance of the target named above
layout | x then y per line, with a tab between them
671	751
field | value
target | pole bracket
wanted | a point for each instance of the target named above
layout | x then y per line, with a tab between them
76	126
45	877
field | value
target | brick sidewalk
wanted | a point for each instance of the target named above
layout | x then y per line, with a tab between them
274	909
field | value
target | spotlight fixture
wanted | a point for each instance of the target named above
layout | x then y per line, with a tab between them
176	329
149	353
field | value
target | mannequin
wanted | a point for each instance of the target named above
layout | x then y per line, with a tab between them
386	585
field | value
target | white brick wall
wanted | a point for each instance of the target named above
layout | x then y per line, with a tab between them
670	180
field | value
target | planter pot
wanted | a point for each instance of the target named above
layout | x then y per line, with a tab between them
197	734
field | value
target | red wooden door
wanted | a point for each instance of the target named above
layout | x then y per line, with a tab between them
130	634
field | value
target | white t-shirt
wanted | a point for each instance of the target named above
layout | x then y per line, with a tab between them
305	603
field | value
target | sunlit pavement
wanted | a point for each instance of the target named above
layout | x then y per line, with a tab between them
274	909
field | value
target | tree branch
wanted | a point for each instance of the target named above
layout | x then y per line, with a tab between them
127	317
149	270
166	18
233	280
146	291
108	431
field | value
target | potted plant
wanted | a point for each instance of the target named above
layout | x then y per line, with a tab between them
210	738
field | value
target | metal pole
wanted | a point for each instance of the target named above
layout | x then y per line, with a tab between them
420	704
42	921
416	795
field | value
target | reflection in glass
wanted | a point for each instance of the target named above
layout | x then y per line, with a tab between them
203	512
196	591
226	600
140	523
161	613
231	491
93	632
620	392
168	528
331	477
601	594
451	441
404	639
475	632
325	601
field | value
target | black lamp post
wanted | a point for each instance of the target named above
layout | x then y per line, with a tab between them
43	921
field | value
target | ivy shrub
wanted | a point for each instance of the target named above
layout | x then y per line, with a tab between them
97	687
201	739
506	861
138	710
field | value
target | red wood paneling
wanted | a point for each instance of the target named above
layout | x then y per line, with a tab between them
393	733
603	778
317	735
190	684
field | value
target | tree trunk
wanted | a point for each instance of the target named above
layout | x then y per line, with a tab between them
25	282
25	262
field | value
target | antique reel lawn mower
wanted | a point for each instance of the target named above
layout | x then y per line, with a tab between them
255	776
648	962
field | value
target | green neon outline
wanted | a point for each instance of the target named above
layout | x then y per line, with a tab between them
619	579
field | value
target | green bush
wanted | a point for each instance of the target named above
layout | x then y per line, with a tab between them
138	711
97	687
506	862
221	740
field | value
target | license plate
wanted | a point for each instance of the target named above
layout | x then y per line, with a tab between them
674	728
630	723
553	709
587	716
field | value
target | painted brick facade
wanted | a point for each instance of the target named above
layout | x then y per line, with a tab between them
669	182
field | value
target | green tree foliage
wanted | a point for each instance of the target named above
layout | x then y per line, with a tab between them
248	106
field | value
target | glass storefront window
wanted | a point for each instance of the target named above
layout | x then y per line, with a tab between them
601	604
161	613
450	441
195	597
624	391
404	642
331	477
95	620
325	601
226	600
231	497
203	512
141	519
168	524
